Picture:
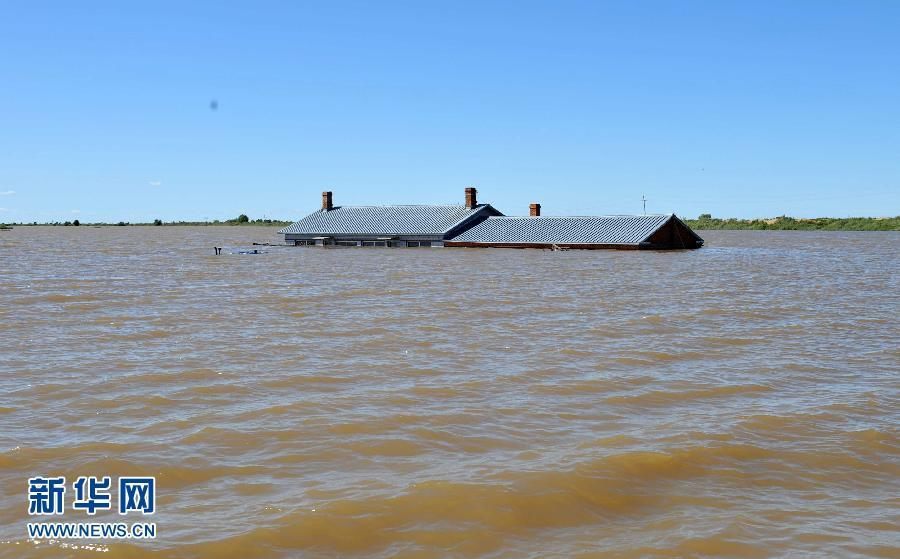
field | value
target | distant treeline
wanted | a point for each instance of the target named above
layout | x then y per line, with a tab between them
786	223
239	220
705	221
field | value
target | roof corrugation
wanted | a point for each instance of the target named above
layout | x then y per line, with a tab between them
383	220
625	229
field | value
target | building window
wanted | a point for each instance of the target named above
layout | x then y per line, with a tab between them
418	243
346	243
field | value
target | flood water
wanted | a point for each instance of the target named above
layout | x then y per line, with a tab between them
740	400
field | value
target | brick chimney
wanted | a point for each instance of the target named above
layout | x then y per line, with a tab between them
535	210
471	198
326	201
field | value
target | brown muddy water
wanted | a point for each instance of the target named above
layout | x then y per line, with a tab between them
739	400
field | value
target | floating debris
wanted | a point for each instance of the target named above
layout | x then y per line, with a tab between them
251	251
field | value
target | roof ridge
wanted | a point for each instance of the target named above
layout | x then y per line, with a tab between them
408	206
577	216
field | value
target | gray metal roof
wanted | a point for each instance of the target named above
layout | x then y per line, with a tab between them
386	220
619	229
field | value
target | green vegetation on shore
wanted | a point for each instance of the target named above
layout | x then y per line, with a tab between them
239	220
705	221
786	223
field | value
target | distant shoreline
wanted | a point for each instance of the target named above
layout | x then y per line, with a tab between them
228	223
787	223
704	222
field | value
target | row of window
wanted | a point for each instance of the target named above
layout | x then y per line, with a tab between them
409	244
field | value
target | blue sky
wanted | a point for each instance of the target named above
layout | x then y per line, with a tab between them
743	109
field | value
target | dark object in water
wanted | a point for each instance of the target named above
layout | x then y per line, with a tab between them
5	228
253	251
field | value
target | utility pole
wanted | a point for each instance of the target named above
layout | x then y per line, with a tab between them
644	200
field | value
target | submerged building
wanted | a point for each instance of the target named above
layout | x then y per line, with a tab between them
482	225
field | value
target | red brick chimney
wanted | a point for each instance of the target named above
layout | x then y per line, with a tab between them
471	198
535	210
326	201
